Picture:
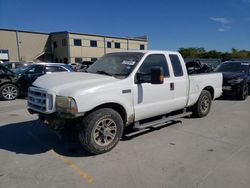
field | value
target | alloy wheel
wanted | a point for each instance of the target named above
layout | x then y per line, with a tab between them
105	132
9	92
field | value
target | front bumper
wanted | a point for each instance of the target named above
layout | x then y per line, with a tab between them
57	120
232	89
59	114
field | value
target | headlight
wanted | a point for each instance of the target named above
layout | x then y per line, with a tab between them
235	80
66	104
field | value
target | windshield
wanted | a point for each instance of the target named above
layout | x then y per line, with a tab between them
232	67
116	64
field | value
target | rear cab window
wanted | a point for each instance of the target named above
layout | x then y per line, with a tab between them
176	64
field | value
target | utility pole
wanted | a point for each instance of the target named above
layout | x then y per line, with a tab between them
18	47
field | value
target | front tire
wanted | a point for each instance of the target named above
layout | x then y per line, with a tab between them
9	92
101	130
243	93
203	105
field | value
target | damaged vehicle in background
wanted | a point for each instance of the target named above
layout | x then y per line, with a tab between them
236	78
9	88
14	84
196	67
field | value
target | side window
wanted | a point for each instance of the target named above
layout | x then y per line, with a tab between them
37	70
55	69
176	64
153	60
2	71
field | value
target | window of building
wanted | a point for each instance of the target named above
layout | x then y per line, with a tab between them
64	42
77	42
142	47
4	51
78	59
93	59
4	54
117	45
65	60
93	43
153	60
176	64
108	44
55	44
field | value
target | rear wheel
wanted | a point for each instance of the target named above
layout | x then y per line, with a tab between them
203	105
9	92
101	130
243	93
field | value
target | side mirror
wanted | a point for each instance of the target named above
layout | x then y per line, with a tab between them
154	77
139	78
157	76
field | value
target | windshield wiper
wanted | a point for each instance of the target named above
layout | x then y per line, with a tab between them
103	72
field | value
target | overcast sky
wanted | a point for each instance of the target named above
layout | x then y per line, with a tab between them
169	24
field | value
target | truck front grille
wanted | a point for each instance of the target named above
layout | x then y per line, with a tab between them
39	100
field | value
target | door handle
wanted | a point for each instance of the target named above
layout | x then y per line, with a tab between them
171	86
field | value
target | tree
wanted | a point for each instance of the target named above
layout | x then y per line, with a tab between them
202	53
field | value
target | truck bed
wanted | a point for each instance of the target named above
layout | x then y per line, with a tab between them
198	82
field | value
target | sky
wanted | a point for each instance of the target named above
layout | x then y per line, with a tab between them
169	24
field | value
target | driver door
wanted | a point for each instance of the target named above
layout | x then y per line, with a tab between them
153	99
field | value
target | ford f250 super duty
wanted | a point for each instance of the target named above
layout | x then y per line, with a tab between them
138	88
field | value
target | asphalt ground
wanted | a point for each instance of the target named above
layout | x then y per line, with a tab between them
211	152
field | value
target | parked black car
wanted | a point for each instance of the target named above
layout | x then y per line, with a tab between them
236	78
16	83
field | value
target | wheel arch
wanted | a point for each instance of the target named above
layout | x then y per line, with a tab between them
4	83
210	89
115	106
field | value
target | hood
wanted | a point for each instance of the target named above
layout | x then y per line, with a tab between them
68	83
231	75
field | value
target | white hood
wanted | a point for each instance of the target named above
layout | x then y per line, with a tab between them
69	83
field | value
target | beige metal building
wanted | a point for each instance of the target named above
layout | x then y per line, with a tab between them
66	47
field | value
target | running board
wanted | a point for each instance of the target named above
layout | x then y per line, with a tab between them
161	121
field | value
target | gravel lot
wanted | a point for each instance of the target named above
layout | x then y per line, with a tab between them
211	152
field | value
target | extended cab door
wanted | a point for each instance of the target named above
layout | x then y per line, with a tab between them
153	99
180	82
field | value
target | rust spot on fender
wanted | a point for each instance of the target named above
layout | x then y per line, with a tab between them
130	119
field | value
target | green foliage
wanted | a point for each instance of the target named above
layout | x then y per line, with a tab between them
202	53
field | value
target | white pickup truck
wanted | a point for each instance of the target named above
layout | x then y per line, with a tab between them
138	88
